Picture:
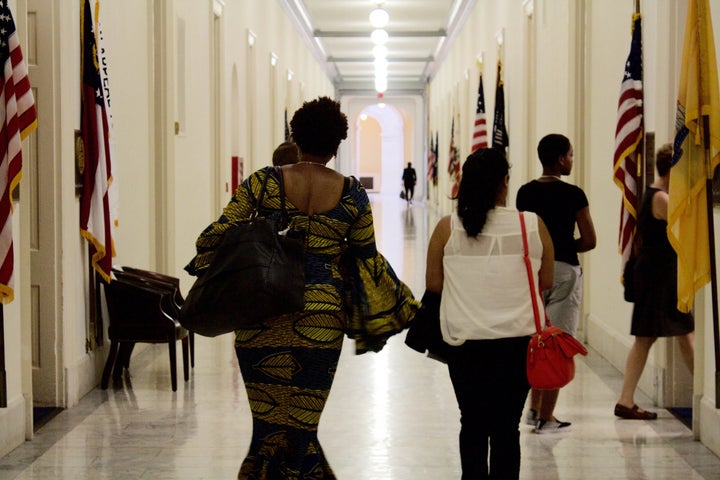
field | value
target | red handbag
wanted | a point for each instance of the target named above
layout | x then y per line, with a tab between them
550	362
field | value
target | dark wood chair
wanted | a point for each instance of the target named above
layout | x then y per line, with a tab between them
137	316
165	281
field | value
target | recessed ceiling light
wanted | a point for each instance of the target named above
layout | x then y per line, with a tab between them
379	18
380	51
379	36
380	84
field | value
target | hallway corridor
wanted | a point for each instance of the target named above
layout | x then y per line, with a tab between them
390	416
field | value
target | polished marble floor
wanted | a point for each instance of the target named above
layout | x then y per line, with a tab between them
390	416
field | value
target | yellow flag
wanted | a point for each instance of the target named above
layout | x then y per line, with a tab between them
688	209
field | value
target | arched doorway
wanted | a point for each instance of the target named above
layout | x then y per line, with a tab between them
380	149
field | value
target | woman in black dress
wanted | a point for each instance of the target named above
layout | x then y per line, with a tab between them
655	313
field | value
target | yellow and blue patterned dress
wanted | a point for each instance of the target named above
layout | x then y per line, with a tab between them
288	363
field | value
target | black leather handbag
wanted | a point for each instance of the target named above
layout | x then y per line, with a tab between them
258	272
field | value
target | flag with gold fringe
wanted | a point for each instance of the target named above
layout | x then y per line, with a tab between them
18	118
698	97
628	141
98	214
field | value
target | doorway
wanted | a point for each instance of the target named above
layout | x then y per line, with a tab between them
380	149
41	170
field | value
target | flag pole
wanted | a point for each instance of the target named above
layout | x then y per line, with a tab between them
713	263
713	280
91	340
641	170
3	377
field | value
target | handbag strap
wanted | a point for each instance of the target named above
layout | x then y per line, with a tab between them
261	195
259	199
283	208
531	277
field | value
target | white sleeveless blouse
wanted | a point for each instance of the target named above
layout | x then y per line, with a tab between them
485	290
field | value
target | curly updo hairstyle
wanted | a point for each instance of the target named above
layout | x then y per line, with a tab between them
319	126
483	178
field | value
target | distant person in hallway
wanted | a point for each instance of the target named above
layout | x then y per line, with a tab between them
655	312
475	261
288	364
286	153
562	206
409	179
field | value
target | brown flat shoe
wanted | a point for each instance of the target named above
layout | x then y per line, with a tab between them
633	413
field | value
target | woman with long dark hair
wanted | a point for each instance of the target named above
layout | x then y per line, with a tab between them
475	260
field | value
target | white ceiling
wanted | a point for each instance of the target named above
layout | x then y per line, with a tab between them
338	33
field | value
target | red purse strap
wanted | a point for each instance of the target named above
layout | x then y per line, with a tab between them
531	277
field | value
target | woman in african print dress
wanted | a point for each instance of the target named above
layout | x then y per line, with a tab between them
289	362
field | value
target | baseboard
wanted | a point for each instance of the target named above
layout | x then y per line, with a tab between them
85	374
12	425
707	422
82	376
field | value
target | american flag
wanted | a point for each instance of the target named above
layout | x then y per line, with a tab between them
96	217
480	139
628	138
499	137
454	164
431	161
18	118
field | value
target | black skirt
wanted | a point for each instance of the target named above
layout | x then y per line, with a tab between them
655	313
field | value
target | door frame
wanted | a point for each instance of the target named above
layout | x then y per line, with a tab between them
46	314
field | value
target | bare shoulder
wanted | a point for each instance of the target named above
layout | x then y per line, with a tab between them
442	229
444	223
660	196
